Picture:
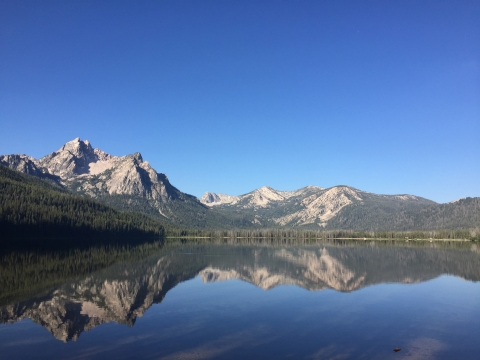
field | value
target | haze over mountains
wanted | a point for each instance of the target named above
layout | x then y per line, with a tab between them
128	182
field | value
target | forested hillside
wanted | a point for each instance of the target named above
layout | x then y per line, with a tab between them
461	214
30	207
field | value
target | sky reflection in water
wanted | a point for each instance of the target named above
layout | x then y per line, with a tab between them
216	315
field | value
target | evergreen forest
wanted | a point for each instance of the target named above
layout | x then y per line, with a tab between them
33	212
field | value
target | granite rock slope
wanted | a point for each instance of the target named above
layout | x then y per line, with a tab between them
126	182
315	207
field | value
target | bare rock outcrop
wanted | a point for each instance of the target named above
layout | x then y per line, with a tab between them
311	206
22	163
70	160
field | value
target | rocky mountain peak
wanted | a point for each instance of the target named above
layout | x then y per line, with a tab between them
209	197
71	159
136	156
79	148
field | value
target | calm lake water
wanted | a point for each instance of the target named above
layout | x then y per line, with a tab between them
340	300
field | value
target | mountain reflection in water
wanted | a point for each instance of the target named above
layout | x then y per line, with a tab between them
125	291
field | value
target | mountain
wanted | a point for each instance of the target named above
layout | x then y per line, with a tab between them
261	197
313	207
124	182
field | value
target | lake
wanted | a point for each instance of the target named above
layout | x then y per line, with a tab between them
327	300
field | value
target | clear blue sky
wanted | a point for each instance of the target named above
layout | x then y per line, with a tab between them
228	96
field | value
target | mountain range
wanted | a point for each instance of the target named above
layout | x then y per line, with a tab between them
130	183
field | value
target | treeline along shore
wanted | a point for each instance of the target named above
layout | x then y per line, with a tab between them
469	234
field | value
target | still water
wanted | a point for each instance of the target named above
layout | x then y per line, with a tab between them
340	300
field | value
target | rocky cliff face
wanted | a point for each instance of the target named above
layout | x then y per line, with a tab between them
212	199
96	173
122	181
259	198
22	163
72	159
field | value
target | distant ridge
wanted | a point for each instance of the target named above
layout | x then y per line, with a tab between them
130	183
315	207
